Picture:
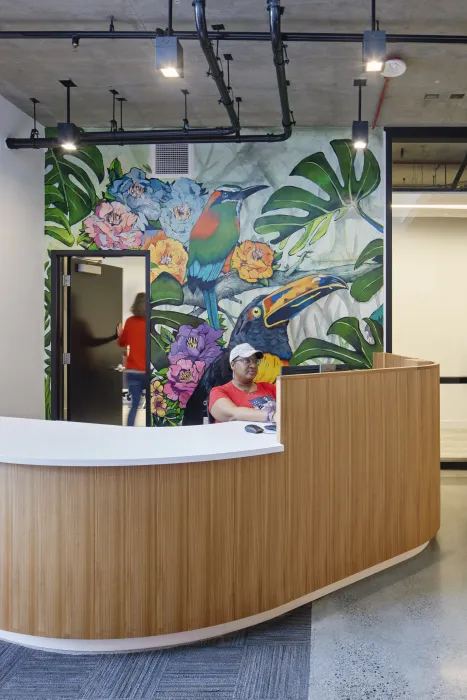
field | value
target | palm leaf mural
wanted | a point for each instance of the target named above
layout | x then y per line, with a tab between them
70	193
320	211
370	283
347	328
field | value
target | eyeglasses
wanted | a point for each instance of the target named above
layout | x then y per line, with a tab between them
253	361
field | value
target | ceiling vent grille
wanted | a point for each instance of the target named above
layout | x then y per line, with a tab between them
431	96
172	160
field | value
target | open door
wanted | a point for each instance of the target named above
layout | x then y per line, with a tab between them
93	358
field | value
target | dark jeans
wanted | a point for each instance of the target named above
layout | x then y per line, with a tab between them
136	382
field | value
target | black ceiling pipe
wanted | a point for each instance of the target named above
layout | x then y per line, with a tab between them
213	63
214	135
320	37
274	10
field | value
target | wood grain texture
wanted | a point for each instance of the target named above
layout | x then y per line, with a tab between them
118	552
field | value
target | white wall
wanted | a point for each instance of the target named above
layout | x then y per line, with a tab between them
430	293
21	271
134	279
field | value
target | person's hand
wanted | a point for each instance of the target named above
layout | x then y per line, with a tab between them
119	330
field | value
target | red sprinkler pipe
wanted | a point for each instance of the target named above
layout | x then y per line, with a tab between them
380	102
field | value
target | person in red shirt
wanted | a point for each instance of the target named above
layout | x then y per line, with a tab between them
243	398
133	337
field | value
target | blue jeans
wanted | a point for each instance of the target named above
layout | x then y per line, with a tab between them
136	382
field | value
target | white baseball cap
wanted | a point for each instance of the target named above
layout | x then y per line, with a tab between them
243	351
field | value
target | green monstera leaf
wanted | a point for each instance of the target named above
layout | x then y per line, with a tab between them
370	283
320	211
347	328
70	193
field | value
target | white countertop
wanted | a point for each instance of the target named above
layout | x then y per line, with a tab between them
57	443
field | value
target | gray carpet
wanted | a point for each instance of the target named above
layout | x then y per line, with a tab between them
267	662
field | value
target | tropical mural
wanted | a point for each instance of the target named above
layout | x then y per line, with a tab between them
280	246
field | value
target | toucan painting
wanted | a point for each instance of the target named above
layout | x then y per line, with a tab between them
263	324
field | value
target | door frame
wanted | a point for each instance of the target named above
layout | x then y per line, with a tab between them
55	315
407	134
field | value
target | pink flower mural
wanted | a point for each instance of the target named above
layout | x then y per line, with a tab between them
182	379
113	227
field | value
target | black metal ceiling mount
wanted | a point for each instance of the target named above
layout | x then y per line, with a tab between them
192	135
214	68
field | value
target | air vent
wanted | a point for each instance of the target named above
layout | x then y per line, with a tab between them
431	96
172	160
457	96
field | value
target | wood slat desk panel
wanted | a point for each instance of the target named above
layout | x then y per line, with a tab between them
138	551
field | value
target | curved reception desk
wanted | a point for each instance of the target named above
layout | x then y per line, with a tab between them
114	539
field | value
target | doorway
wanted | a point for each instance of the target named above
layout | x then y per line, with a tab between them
92	293
425	264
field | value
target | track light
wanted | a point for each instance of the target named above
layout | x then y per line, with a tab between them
68	136
374	51
169	56
374	45
67	132
359	127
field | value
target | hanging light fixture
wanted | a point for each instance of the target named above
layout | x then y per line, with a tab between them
67	132
169	56
169	51
374	45
359	127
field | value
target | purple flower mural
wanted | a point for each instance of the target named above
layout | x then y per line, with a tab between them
196	344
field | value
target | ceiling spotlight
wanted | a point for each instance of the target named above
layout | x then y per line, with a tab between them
359	127
374	45
68	134
169	56
374	51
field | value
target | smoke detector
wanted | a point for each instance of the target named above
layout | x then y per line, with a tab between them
393	68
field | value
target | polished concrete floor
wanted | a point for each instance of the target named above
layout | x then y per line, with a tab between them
453	445
401	634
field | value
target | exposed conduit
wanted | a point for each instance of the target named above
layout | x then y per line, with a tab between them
193	135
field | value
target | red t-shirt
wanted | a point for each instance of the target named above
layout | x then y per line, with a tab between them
134	337
264	394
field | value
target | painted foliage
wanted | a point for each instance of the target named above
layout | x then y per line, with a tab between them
279	246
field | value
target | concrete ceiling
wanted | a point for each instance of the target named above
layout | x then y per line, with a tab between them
321	75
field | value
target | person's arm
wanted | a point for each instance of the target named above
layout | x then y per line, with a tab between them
123	336
224	410
93	342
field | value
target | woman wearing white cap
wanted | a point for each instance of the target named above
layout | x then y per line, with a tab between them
243	398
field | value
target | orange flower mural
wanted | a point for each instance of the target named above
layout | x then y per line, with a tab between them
253	261
158	402
167	255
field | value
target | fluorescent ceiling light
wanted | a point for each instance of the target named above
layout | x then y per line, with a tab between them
170	72
428	206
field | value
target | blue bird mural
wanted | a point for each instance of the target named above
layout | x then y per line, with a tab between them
212	239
